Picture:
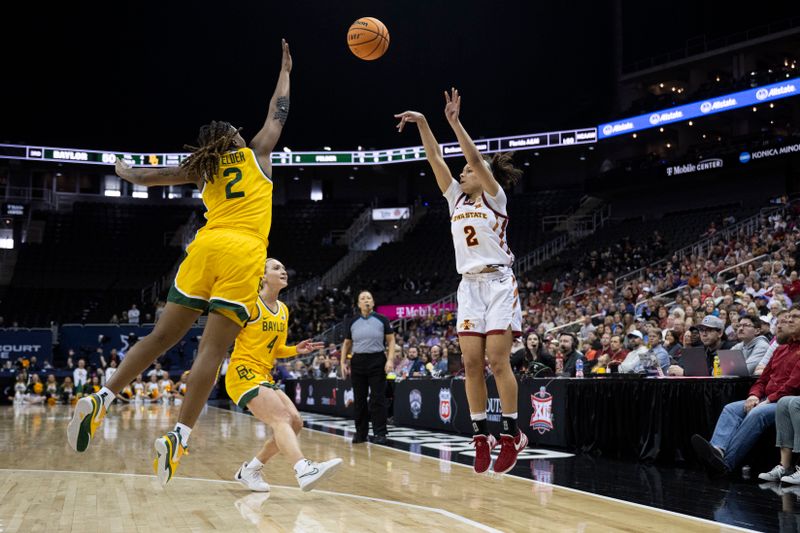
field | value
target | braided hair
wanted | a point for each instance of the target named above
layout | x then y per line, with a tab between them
503	169
214	140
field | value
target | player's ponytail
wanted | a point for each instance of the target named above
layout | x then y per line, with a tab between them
503	169
214	140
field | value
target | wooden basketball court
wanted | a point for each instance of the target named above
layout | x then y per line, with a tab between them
45	486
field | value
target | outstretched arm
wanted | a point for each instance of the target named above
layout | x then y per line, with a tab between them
266	139
432	150
151	177
301	348
468	148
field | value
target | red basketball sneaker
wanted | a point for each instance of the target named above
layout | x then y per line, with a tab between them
484	444
509	449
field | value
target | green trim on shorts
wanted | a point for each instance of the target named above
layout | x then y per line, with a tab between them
252	393
240	312
176	297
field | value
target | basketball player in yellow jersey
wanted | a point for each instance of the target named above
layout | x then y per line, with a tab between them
249	383
221	272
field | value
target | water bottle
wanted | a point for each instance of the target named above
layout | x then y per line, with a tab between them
579	368
717	367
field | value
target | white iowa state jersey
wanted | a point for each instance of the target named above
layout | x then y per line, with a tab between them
479	229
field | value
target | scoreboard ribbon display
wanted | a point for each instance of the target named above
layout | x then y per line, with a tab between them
290	158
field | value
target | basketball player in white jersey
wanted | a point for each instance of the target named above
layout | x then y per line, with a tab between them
489	313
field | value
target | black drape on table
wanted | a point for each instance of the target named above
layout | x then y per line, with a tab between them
647	419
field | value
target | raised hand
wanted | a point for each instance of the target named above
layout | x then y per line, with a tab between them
453	105
408	116
286	62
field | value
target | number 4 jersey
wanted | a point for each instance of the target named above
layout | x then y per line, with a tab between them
261	342
479	229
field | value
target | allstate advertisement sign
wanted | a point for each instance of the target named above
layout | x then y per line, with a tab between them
722	103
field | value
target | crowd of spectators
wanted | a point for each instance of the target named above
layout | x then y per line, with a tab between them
36	383
728	296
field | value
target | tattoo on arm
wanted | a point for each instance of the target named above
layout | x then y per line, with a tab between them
282	110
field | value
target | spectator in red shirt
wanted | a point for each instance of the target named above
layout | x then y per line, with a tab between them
792	289
617	353
741	423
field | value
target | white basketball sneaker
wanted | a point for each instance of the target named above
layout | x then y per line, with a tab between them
312	473
251	478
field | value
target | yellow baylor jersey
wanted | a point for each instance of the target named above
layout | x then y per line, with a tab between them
262	341
240	196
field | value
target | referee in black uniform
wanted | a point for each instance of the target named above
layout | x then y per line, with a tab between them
366	336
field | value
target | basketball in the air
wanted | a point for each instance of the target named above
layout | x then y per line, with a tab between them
368	38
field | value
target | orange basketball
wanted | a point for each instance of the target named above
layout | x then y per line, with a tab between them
368	38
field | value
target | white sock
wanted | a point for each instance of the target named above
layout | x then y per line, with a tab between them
183	432
107	395
300	465
511	415
478	416
254	463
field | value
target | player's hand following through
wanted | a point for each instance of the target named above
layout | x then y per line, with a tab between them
453	105
408	116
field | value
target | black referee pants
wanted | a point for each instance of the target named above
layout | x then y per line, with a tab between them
368	376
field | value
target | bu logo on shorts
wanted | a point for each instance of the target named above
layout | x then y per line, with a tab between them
244	373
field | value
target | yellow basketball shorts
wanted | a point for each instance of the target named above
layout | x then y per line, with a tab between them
221	272
243	383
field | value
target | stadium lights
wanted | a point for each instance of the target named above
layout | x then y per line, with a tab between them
287	149
634	135
326	148
691	123
661	130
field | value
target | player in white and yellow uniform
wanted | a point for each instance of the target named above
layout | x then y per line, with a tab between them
250	385
220	273
489	313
